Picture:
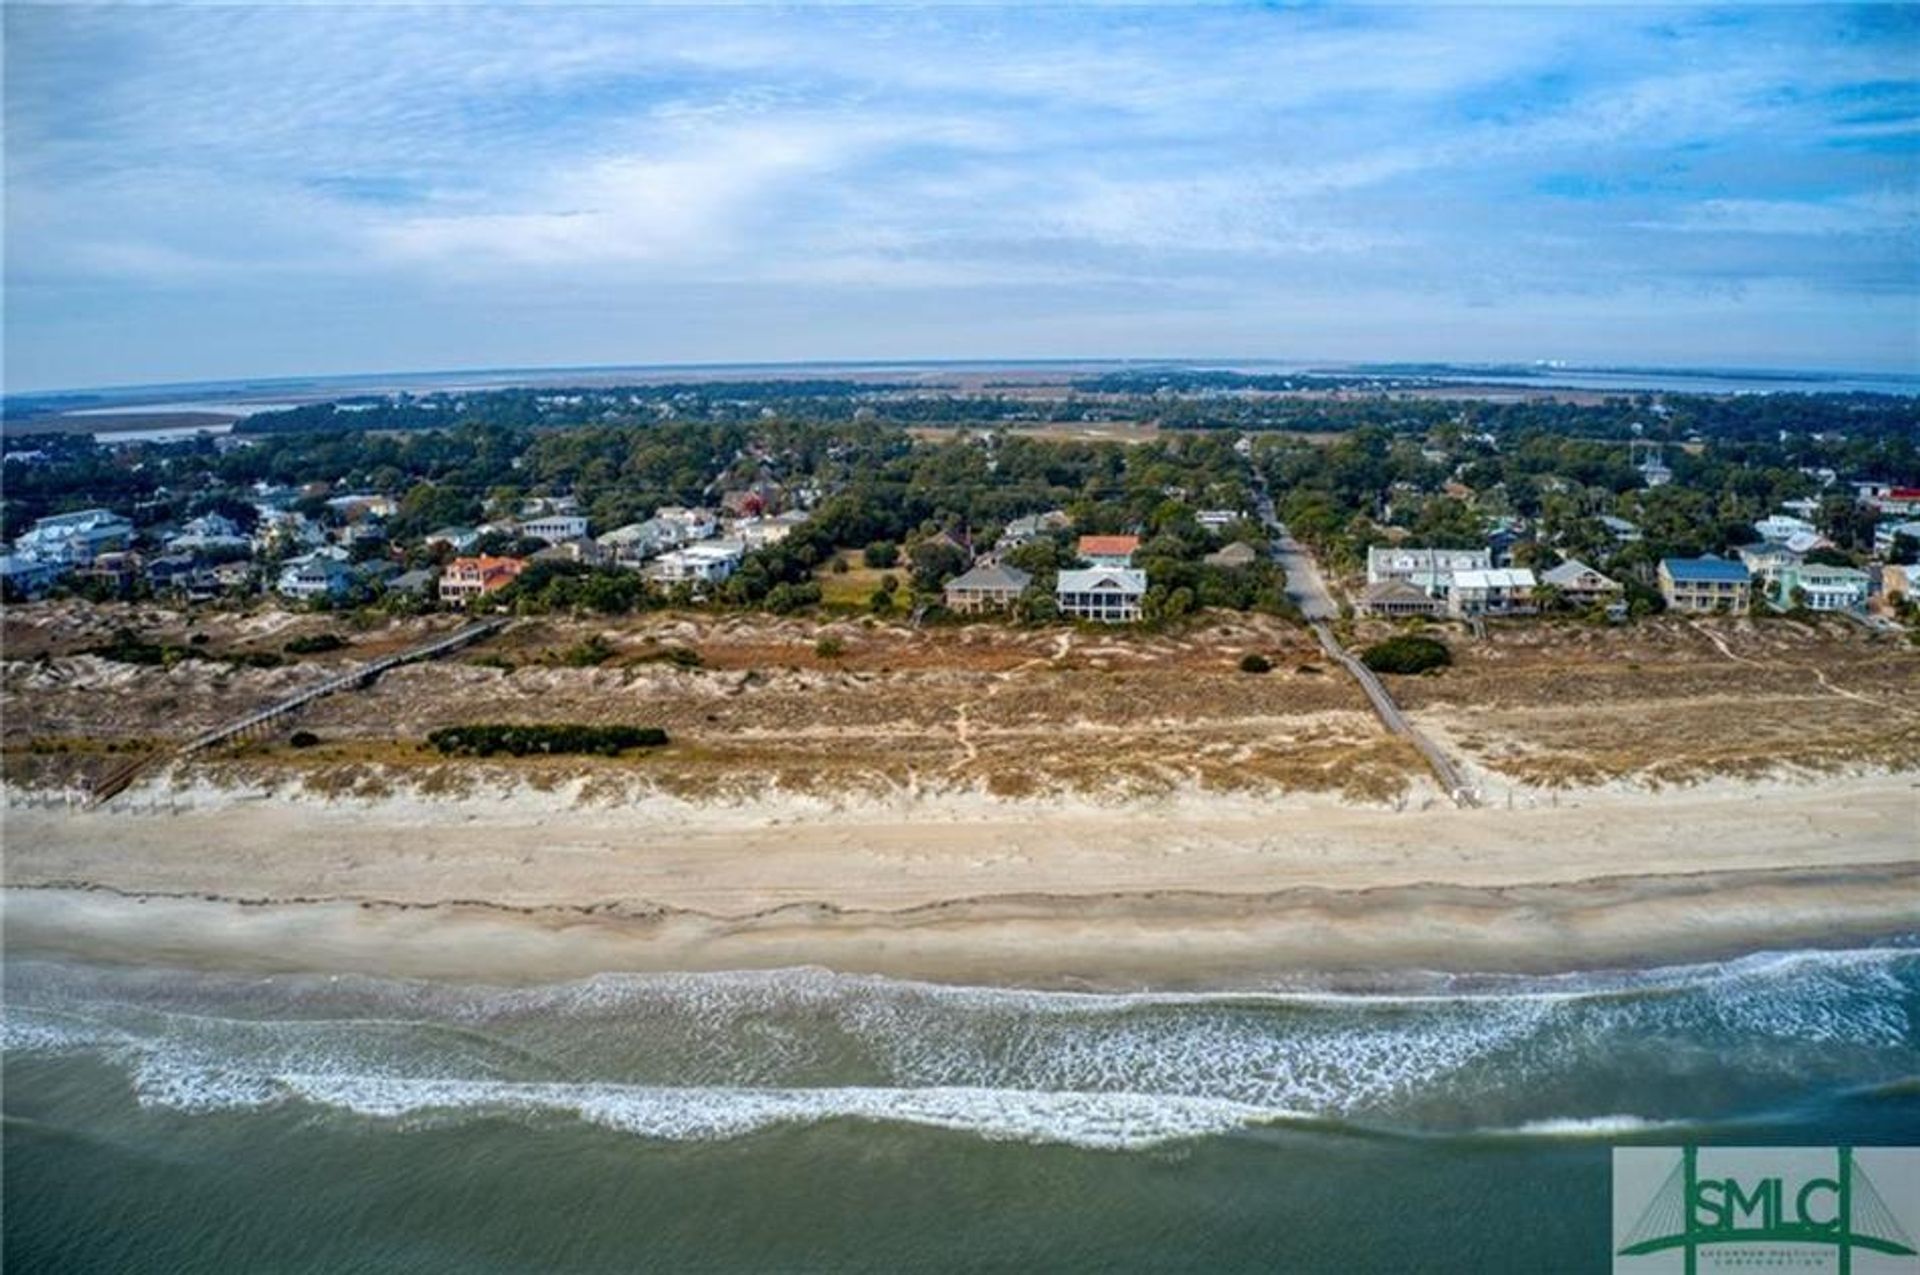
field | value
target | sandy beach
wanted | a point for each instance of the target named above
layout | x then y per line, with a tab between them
1190	890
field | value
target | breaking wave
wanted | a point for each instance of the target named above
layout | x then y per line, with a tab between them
708	1056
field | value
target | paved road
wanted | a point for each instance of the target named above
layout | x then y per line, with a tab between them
1304	583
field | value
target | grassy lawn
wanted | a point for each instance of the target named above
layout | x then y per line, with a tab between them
857	584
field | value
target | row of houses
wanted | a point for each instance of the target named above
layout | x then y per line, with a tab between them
1109	590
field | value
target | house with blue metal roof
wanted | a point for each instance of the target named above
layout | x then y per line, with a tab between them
1706	585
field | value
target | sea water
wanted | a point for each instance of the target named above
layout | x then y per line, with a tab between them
167	1120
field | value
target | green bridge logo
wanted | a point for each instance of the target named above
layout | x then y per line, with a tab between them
1765	1208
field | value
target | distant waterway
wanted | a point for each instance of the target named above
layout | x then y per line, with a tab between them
161	1119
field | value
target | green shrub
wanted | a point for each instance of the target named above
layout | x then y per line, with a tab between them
829	648
303	739
1254	662
546	740
594	651
882	553
1406	653
314	644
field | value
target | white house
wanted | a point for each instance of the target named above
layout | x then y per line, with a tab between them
1491	591
209	533
75	539
689	524
1779	528
1884	533
1821	587
318	574
555	528
1429	569
708	562
1109	594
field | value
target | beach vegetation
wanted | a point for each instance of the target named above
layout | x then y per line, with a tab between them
1407	653
543	740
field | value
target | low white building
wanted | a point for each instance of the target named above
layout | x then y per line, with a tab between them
709	562
555	528
1491	591
1111	595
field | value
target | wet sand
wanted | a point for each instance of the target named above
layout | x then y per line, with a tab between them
1197	891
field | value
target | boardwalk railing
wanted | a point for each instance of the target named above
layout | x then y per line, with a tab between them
118	781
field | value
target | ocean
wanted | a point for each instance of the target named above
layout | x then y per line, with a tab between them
172	1120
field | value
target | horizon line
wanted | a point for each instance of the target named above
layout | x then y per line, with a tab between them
1222	362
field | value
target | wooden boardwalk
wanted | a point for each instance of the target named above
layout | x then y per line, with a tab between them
258	722
1396	721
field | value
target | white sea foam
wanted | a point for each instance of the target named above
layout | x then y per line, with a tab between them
1588	1127
1103	1121
715	1055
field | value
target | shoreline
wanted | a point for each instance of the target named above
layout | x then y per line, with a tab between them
1196	891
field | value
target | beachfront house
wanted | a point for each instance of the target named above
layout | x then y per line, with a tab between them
1429	569
1108	551
1705	585
468	578
75	539
988	586
1398	600
1820	587
1491	591
1111	595
1581	585
317	575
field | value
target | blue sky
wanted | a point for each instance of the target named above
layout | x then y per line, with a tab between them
250	190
